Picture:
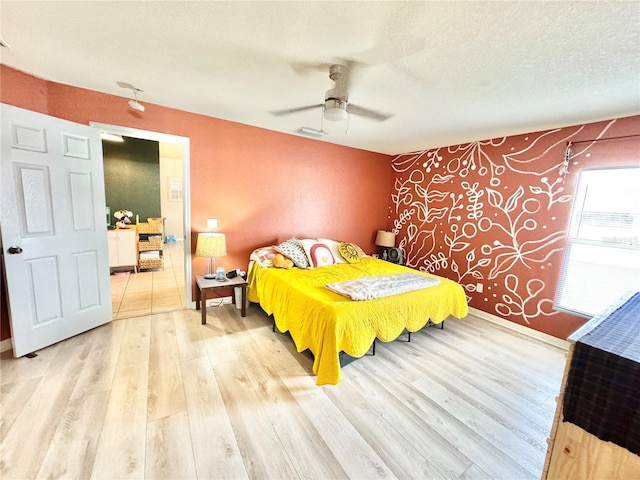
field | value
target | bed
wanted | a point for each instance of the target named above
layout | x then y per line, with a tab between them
327	323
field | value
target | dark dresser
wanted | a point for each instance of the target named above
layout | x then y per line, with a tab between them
596	429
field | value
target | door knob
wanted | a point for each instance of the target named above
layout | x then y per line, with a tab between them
13	250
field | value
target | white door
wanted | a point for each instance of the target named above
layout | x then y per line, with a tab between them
52	219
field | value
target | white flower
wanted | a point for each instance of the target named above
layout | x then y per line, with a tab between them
120	214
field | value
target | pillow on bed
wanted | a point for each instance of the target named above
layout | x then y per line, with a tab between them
350	252
263	256
293	249
333	246
280	261
318	253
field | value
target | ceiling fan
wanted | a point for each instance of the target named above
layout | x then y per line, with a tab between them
336	104
133	103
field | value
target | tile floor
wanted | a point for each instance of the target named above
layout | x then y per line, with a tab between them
150	291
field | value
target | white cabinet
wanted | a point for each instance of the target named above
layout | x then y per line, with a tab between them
122	248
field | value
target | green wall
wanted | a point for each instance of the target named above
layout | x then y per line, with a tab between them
132	177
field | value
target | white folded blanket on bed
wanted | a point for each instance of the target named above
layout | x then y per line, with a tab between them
369	288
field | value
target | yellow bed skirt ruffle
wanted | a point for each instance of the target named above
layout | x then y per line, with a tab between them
327	323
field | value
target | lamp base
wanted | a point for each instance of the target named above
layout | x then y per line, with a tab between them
210	276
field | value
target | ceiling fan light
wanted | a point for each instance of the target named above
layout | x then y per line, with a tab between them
335	110
136	106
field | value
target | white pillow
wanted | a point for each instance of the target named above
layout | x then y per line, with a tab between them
333	245
319	253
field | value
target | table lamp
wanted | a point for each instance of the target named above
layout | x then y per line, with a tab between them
386	240
211	245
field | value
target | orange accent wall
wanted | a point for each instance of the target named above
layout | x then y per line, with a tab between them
262	186
493	212
496	213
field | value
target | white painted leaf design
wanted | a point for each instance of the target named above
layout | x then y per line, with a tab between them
412	231
448	241
436	214
512	202
437	178
483	262
460	246
495	198
437	196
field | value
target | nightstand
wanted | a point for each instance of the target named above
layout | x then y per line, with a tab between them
204	285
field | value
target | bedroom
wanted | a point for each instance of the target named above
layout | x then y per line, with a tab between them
265	186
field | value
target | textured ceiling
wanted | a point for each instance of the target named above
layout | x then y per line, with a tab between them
450	72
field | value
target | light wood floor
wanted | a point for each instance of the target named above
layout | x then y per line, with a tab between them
165	397
150	291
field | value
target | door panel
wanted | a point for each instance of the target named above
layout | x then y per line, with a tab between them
74	146
28	137
52	207
81	201
44	295
33	196
87	273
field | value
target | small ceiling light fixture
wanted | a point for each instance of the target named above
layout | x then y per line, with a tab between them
134	103
335	110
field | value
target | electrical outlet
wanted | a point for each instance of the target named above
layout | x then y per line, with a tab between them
479	287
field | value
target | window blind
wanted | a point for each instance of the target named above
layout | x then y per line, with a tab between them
602	258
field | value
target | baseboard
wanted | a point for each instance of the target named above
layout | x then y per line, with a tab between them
5	345
530	332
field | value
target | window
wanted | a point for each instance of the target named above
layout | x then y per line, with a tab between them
602	258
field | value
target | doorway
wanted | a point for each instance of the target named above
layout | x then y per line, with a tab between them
132	294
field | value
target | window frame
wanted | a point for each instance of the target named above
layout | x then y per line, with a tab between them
578	214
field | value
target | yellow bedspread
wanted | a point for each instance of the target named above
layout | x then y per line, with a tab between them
327	323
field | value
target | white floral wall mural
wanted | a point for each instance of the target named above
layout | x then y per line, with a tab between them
493	214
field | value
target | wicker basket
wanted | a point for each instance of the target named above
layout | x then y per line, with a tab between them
149	245
149	228
150	263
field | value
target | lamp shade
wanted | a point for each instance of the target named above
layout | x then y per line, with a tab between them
335	110
211	245
385	239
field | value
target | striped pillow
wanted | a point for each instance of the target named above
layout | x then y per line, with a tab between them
293	249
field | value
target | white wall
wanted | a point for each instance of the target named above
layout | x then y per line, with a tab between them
171	155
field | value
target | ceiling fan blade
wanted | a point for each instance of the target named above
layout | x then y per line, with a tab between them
305	68
366	112
289	111
128	86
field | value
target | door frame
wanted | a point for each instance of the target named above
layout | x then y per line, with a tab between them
186	204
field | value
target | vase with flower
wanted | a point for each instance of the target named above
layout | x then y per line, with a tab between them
123	218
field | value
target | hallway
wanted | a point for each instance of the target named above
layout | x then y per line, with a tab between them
150	291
